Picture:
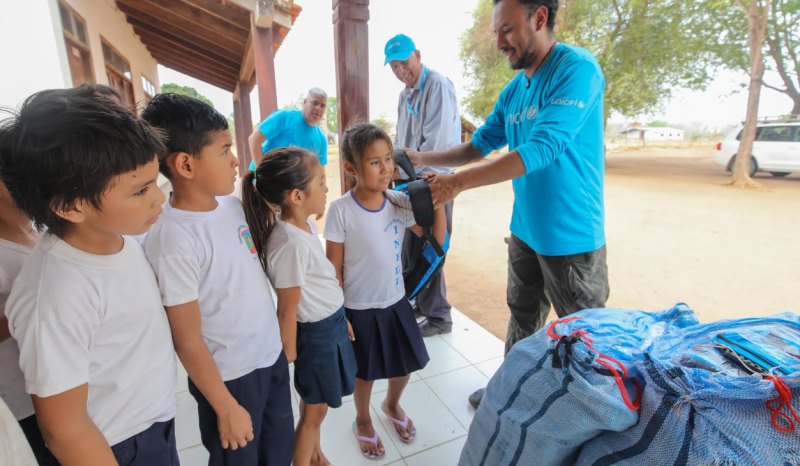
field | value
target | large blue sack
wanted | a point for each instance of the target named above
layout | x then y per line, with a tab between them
698	408
554	393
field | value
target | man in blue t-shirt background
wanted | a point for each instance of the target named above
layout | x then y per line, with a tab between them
551	117
293	128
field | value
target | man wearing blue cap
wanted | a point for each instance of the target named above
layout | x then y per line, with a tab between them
427	120
551	117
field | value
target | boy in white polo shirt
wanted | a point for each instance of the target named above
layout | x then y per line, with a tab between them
218	301
94	340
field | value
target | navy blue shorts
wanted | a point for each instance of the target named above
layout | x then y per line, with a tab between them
154	446
325	369
388	341
266	395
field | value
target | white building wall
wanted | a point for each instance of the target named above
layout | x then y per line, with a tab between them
103	19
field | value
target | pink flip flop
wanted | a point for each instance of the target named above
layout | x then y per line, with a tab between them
403	424
373	440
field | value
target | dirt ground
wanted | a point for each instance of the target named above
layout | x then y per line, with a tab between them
675	234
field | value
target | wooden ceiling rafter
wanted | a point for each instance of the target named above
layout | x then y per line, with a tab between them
210	40
174	20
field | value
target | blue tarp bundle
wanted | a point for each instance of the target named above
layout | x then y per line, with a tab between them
699	408
565	385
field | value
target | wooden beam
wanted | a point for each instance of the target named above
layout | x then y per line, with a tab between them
241	144
230	87
168	47
350	39
202	18
263	49
229	12
161	27
203	66
248	67
198	26
177	42
199	68
247	120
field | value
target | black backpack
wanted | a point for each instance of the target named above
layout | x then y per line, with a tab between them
428	256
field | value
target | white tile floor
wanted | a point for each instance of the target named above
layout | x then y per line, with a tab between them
436	399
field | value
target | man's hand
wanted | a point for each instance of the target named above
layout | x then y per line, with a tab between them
235	427
444	188
350	331
414	156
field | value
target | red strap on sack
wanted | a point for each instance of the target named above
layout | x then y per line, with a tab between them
785	398
604	361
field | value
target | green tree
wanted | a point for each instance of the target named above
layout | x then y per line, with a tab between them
296	104
783	47
748	21
185	90
383	123
646	48
332	115
780	47
658	124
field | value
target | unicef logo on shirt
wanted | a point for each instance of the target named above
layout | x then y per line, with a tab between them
527	114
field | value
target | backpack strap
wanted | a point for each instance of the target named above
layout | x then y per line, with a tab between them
419	192
402	160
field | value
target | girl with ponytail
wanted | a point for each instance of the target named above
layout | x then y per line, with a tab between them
279	196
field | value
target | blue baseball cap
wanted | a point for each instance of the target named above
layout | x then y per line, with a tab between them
399	47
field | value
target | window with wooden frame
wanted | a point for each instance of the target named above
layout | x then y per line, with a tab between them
118	70
149	90
79	55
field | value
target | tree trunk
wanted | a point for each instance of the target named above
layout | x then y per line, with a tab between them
796	107
756	29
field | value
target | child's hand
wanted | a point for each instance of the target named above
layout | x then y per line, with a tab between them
350	331
235	427
291	353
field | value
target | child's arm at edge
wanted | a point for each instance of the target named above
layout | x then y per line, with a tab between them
288	299
68	430
335	253
233	421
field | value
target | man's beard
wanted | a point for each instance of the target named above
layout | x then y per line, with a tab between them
526	59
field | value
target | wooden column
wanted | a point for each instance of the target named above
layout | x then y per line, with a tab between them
350	34
247	122
241	143
264	51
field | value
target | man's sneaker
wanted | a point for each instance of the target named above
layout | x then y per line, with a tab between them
429	330
476	397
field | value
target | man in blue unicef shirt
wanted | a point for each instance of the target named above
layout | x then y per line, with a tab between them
300	128
551	118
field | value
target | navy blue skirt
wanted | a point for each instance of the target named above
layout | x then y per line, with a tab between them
388	342
325	368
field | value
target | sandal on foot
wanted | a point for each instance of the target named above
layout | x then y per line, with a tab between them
403	424
373	440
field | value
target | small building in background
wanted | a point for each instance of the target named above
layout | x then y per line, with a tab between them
638	133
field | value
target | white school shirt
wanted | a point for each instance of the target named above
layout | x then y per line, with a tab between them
209	257
12	382
373	243
14	447
82	318
295	257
